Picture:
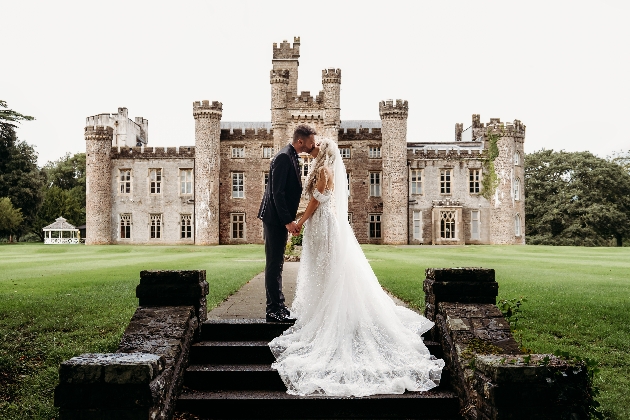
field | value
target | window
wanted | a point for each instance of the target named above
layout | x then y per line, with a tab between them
344	152
306	165
417	225
238	225
375	152
415	178
474	178
124	181
474	224
238	152
186	223
375	184
517	158
350	218
517	189
517	225
155	226
185	181
238	188
155	181
375	225
447	224
267	152
125	226
265	179
445	181
348	180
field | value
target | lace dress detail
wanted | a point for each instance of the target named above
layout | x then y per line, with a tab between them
350	338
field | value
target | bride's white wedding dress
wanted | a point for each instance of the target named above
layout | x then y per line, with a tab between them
350	338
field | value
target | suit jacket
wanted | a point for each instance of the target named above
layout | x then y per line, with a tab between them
284	189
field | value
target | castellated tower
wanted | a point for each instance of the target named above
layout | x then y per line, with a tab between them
279	80
395	189
508	202
98	206
286	57
331	81
207	165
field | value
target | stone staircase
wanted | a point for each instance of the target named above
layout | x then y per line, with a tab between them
230	376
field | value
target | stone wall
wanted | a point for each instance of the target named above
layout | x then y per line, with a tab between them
142	380
491	376
170	203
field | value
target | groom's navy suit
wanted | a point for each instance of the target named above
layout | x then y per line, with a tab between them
279	208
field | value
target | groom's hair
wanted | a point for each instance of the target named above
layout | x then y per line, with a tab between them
302	132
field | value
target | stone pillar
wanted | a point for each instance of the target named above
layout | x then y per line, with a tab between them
279	80
207	165
98	205
331	81
459	128
395	188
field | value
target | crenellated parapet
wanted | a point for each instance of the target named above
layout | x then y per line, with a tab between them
390	110
98	133
306	100
360	134
285	51
182	152
246	134
331	76
205	109
279	76
444	154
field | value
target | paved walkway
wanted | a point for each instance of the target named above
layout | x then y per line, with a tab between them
249	301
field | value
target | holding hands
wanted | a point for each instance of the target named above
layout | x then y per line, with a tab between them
294	228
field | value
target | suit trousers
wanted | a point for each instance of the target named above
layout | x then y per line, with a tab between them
275	242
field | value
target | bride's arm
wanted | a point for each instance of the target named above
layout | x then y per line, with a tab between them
312	205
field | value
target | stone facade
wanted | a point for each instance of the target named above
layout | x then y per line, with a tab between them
400	192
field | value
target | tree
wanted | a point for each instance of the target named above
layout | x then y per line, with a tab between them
575	199
20	178
10	218
621	158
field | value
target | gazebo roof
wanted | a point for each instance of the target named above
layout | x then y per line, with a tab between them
60	224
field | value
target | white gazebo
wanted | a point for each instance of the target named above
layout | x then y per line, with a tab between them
61	232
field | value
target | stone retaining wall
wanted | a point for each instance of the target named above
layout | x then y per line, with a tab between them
492	377
143	378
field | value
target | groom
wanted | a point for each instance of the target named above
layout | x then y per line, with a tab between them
277	211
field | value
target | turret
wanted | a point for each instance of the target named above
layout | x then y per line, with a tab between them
331	81
508	200
279	80
207	165
394	152
285	57
98	205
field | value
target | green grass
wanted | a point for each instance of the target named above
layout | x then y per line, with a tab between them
578	299
60	301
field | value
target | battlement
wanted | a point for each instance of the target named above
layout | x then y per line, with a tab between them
279	76
205	109
99	133
367	133
285	51
306	101
246	134
181	152
331	76
141	121
389	109
442	153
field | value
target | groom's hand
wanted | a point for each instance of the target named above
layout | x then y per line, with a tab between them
292	228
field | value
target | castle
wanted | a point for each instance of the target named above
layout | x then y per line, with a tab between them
399	192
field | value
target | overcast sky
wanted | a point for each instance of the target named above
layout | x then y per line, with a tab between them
561	67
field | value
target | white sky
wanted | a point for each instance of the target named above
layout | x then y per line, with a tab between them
561	67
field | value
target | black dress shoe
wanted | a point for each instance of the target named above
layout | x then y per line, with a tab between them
279	317
284	310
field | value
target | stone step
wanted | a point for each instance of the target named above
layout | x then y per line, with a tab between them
434	404
241	330
250	352
233	377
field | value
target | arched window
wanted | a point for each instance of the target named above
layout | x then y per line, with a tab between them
517	188
517	225
517	158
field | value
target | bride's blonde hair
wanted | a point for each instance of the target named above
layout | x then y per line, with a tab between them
325	158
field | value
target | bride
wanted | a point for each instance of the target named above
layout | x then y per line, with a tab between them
350	338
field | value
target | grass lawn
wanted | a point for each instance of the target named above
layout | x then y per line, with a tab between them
59	301
578	299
